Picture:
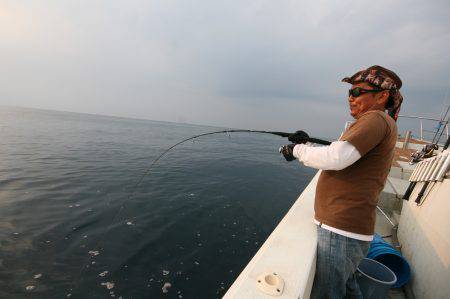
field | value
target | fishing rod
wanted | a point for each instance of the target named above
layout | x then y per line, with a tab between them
281	134
433	146
442	119
98	245
434	143
443	129
441	125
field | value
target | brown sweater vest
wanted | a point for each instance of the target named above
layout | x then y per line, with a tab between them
346	199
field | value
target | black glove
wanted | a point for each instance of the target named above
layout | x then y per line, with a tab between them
288	151
298	137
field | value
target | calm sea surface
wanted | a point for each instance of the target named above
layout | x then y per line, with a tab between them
69	228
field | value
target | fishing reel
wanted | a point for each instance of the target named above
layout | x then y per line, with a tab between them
299	137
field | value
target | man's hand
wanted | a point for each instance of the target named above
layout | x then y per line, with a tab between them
299	137
287	151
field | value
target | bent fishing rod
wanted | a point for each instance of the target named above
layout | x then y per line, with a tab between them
281	134
291	136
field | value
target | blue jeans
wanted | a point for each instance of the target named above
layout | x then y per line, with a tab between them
337	259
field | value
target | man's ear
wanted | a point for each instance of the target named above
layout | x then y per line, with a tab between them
383	98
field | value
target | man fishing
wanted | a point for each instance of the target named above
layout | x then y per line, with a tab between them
354	171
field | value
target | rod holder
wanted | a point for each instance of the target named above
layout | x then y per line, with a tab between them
270	283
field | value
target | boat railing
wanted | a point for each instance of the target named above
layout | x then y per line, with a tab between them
441	125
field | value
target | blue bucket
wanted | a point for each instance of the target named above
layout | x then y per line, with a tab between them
384	253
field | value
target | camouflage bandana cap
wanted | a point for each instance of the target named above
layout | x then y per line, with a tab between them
384	79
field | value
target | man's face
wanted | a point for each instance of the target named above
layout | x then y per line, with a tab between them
363	103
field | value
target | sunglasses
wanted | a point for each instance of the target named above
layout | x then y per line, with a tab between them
357	91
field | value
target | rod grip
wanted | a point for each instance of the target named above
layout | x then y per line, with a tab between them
409	190
422	192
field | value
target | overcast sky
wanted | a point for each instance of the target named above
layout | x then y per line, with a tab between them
243	64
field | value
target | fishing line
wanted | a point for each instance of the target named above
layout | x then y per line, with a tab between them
443	128
443	116
100	241
441	125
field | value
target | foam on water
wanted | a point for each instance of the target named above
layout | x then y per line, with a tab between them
195	221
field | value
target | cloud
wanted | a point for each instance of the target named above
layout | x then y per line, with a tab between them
245	64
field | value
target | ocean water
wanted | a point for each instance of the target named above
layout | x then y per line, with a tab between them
72	224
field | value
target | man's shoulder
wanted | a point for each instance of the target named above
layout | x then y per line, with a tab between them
372	125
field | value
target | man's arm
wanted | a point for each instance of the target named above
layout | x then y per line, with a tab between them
338	155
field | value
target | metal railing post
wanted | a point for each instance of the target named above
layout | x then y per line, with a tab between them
421	130
406	140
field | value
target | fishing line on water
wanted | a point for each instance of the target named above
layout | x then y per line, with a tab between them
98	245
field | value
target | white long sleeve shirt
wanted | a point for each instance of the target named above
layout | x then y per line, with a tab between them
338	155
